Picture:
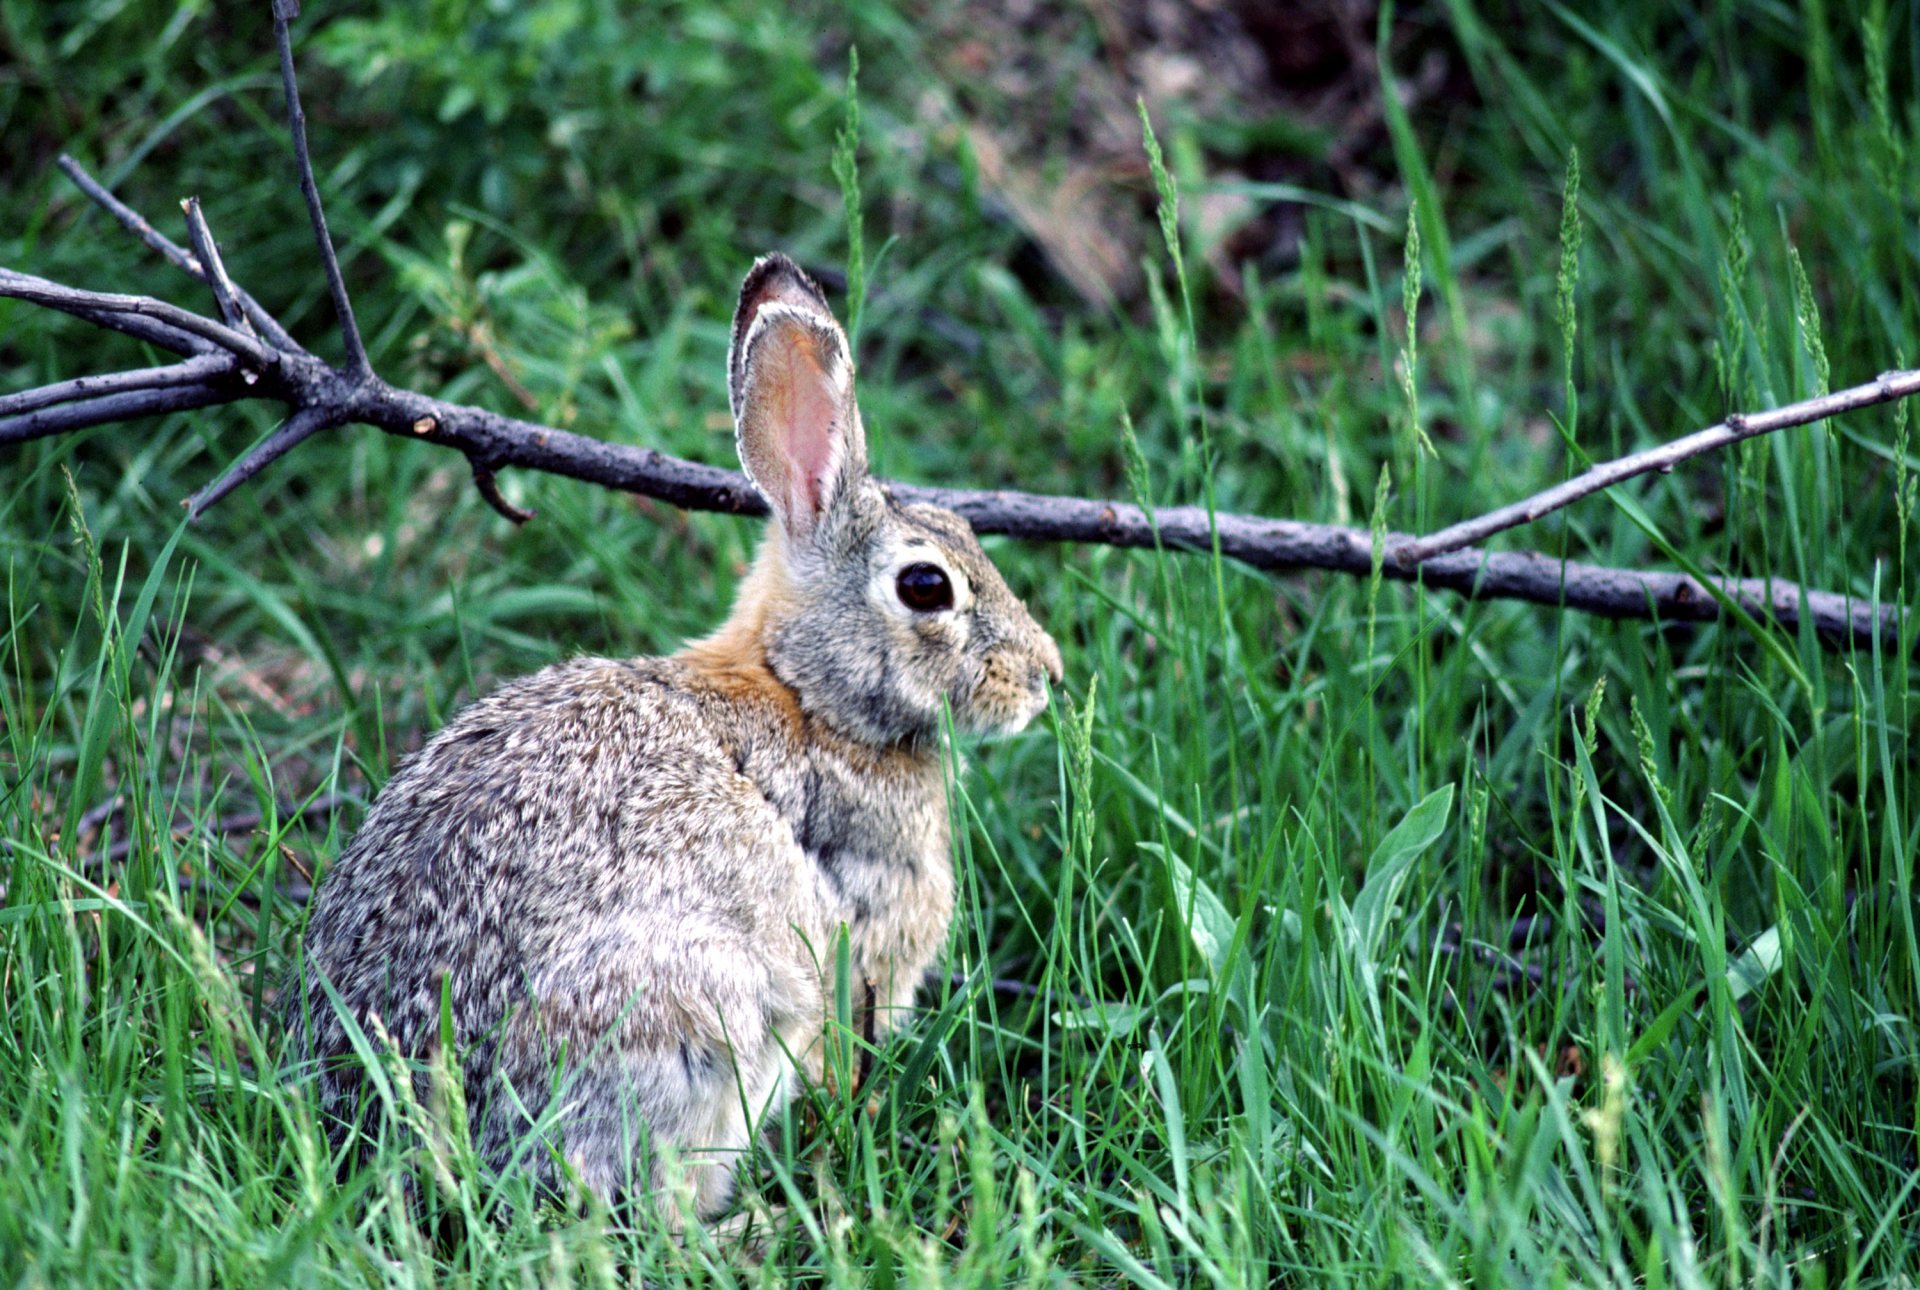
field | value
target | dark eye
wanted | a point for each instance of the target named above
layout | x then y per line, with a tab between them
924	588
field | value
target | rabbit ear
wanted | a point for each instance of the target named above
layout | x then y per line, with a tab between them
790	380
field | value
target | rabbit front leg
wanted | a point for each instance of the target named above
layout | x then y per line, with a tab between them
879	849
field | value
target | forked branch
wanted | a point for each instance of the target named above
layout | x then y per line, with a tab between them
134	223
1884	388
247	354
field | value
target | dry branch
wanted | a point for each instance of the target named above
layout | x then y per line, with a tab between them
136	224
250	355
192	372
95	305
1884	388
129	405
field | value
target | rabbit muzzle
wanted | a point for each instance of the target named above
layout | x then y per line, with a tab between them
1011	688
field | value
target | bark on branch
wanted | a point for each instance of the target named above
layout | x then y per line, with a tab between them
247	354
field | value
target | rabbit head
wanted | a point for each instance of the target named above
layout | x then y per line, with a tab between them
873	612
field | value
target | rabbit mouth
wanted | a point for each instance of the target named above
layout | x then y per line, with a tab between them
1010	693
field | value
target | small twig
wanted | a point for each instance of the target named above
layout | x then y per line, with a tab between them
168	250
69	300
125	406
197	369
1529	929
250	819
1508	970
1018	989
98	815
294	431
358	368
483	479
208	253
869	1034
298	893
1885	388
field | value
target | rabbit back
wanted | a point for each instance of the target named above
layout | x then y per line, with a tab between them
616	914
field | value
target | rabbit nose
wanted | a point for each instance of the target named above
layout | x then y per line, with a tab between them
1050	662
1056	670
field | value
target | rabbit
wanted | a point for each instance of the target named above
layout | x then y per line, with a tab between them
627	877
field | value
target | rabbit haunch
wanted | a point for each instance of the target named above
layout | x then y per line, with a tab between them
626	878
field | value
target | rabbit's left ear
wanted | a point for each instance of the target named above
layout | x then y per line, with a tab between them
790	380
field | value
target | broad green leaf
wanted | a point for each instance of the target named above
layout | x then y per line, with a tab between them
1387	870
1198	908
1759	961
1114	1019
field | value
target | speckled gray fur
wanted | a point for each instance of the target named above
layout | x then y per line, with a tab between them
628	876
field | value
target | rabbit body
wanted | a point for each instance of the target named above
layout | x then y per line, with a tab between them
665	921
622	880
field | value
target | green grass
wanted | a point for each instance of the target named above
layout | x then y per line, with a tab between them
1372	937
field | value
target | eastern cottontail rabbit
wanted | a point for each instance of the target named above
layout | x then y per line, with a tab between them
628	876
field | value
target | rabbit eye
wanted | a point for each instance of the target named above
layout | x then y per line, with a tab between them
924	588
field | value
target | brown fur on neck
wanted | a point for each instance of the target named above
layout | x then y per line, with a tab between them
733	660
